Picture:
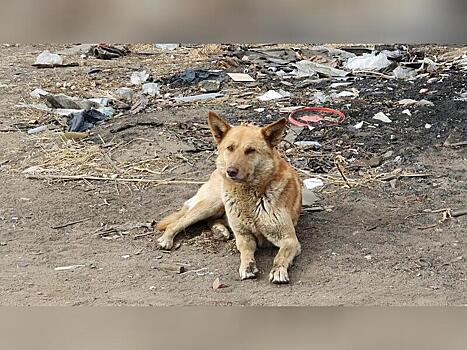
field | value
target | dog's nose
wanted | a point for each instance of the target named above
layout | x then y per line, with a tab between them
232	171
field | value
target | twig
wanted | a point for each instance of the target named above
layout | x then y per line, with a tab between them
457	213
427	227
338	166
97	178
143	235
69	224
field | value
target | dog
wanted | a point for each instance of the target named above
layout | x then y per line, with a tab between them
254	189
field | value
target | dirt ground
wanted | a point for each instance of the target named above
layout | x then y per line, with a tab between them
376	243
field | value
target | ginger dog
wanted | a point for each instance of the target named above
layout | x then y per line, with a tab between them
255	188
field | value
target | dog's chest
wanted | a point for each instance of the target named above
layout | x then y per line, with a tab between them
252	212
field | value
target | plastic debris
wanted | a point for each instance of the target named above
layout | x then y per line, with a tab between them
85	120
138	78
346	93
168	47
404	73
37	130
336	85
193	76
313	183
38	93
382	117
48	59
124	93
273	95
406	111
259	110
358	125
307	68
67	268
409	102
241	77
370	62
210	86
428	126
308	144
151	89
197	97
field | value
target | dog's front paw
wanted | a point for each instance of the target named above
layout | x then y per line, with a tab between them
165	243
279	275
248	271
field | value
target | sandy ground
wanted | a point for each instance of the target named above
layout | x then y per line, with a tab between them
375	245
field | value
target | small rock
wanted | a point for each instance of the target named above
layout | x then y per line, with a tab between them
428	126
124	93
218	285
127	256
151	89
368	257
388	154
210	86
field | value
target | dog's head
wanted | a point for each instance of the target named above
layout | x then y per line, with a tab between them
246	152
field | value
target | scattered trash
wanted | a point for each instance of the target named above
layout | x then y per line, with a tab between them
192	76
124	93
406	111
308	144
197	97
325	116
358	125
427	126
307	68
151	89
85	120
67	268
273	95
169	47
309	198
336	85
210	85
139	105
46	58
241	77
382	117
312	183
260	110
107	52
126	256
371	62
37	130
346	93
138	78
218	285
38	93
409	102
404	73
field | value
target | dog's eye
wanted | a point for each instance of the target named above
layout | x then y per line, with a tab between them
250	150
230	148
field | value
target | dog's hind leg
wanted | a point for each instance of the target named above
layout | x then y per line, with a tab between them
202	210
219	227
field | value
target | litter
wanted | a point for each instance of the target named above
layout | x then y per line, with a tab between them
428	126
107	52
382	117
336	85
358	125
169	47
259	110
406	111
66	268
151	89
193	76
313	183
85	120
38	93
197	97
308	144
309	198
371	62
346	93
241	77
326	116
210	86
404	73
37	130
307	68
409	102
138	78
124	93
48	59
273	95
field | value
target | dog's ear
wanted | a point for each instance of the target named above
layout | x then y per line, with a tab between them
273	133
218	126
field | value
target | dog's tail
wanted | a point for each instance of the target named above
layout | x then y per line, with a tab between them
170	219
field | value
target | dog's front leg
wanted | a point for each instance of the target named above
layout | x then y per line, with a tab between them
289	248
246	245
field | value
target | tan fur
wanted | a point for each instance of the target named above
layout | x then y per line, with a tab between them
257	191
